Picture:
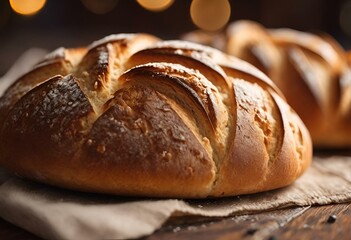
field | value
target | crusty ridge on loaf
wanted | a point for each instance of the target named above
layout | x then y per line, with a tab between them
313	72
134	115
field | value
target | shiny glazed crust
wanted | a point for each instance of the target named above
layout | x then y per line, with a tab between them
134	115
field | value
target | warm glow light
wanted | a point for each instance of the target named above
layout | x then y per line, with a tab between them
210	15
100	6
155	5
27	7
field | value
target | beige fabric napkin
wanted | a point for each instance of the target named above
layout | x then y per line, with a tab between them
54	213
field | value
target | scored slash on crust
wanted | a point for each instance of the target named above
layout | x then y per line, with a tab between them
135	115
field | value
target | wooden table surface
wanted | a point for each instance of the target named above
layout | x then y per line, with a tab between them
291	223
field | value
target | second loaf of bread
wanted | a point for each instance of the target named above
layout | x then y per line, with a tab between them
313	72
134	115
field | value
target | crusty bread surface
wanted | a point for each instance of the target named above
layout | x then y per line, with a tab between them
133	115
312	71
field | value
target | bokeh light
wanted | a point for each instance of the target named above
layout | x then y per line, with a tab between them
210	15
155	5
345	18
100	6
27	7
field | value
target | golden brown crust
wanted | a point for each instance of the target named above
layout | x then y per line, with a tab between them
133	115
311	71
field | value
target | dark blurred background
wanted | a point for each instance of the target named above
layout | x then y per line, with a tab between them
73	23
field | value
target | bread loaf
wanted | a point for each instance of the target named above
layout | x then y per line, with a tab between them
310	70
134	115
